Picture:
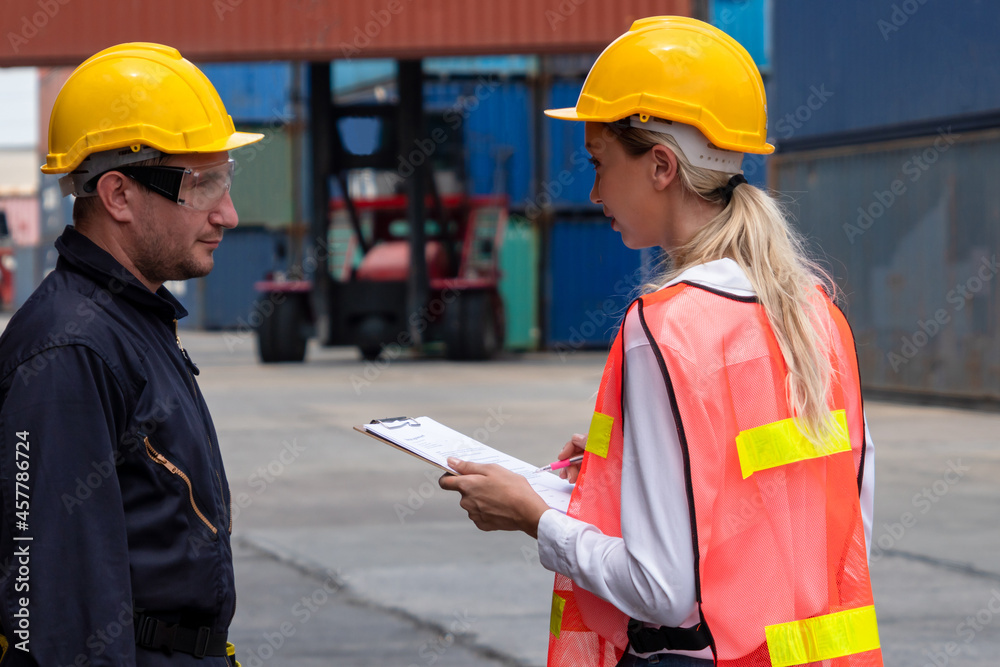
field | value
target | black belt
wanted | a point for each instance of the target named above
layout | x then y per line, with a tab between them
643	639
154	633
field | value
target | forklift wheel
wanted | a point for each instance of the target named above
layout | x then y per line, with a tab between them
370	352
281	337
473	326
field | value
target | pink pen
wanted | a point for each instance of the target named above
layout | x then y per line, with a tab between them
565	463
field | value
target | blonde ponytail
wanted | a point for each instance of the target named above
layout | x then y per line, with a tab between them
754	231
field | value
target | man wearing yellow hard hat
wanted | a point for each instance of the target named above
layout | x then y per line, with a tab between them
722	509
115	506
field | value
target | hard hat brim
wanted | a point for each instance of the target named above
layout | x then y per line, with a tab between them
567	113
232	142
238	140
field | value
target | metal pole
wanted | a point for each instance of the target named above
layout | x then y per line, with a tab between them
411	130
320	127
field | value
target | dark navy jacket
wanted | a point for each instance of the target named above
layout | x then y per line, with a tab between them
110	463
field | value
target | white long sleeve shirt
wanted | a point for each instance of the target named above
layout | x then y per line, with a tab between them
648	573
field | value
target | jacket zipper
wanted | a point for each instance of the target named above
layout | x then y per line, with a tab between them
222	491
159	458
184	353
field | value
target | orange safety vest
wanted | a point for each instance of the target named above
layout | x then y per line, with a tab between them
781	571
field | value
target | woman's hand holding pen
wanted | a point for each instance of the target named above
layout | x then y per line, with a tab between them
574	447
494	497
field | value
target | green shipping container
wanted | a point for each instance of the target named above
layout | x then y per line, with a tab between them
264	187
519	284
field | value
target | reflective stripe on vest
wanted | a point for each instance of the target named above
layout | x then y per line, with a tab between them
780	560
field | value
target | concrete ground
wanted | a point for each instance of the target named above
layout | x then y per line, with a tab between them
348	553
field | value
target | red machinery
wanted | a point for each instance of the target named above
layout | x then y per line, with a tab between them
362	278
366	291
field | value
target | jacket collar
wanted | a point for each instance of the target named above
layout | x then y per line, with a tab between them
86	257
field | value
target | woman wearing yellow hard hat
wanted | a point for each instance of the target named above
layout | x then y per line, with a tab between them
722	510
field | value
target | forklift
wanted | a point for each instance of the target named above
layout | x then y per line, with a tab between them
396	265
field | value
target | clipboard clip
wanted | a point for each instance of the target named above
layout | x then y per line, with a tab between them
396	422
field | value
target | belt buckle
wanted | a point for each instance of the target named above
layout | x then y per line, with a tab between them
145	631
201	641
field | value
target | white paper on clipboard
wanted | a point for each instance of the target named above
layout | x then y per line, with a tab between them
435	442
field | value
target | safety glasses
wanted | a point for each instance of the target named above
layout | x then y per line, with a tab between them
201	189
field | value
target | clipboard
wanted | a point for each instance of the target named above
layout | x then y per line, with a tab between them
430	441
376	436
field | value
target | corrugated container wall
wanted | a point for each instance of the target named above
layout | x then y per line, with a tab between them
258	93
493	115
913	231
591	280
887	116
849	66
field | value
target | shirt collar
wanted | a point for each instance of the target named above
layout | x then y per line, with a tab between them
86	257
720	274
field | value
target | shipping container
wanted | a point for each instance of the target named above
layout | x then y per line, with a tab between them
912	232
590	280
254	93
225	298
317	30
749	23
23	220
264	186
519	284
228	296
19	172
569	177
493	116
875	70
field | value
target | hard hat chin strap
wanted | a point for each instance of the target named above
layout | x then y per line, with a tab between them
82	181
698	150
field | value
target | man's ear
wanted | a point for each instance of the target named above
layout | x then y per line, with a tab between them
119	196
664	166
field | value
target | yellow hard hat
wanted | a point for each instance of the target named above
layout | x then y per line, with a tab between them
134	95
682	70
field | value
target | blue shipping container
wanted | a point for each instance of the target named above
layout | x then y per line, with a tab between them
225	298
862	64
569	177
254	92
592	278
749	23
493	115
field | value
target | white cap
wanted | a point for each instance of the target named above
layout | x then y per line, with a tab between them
698	150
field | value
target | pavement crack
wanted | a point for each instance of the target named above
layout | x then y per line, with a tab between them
967	569
320	573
